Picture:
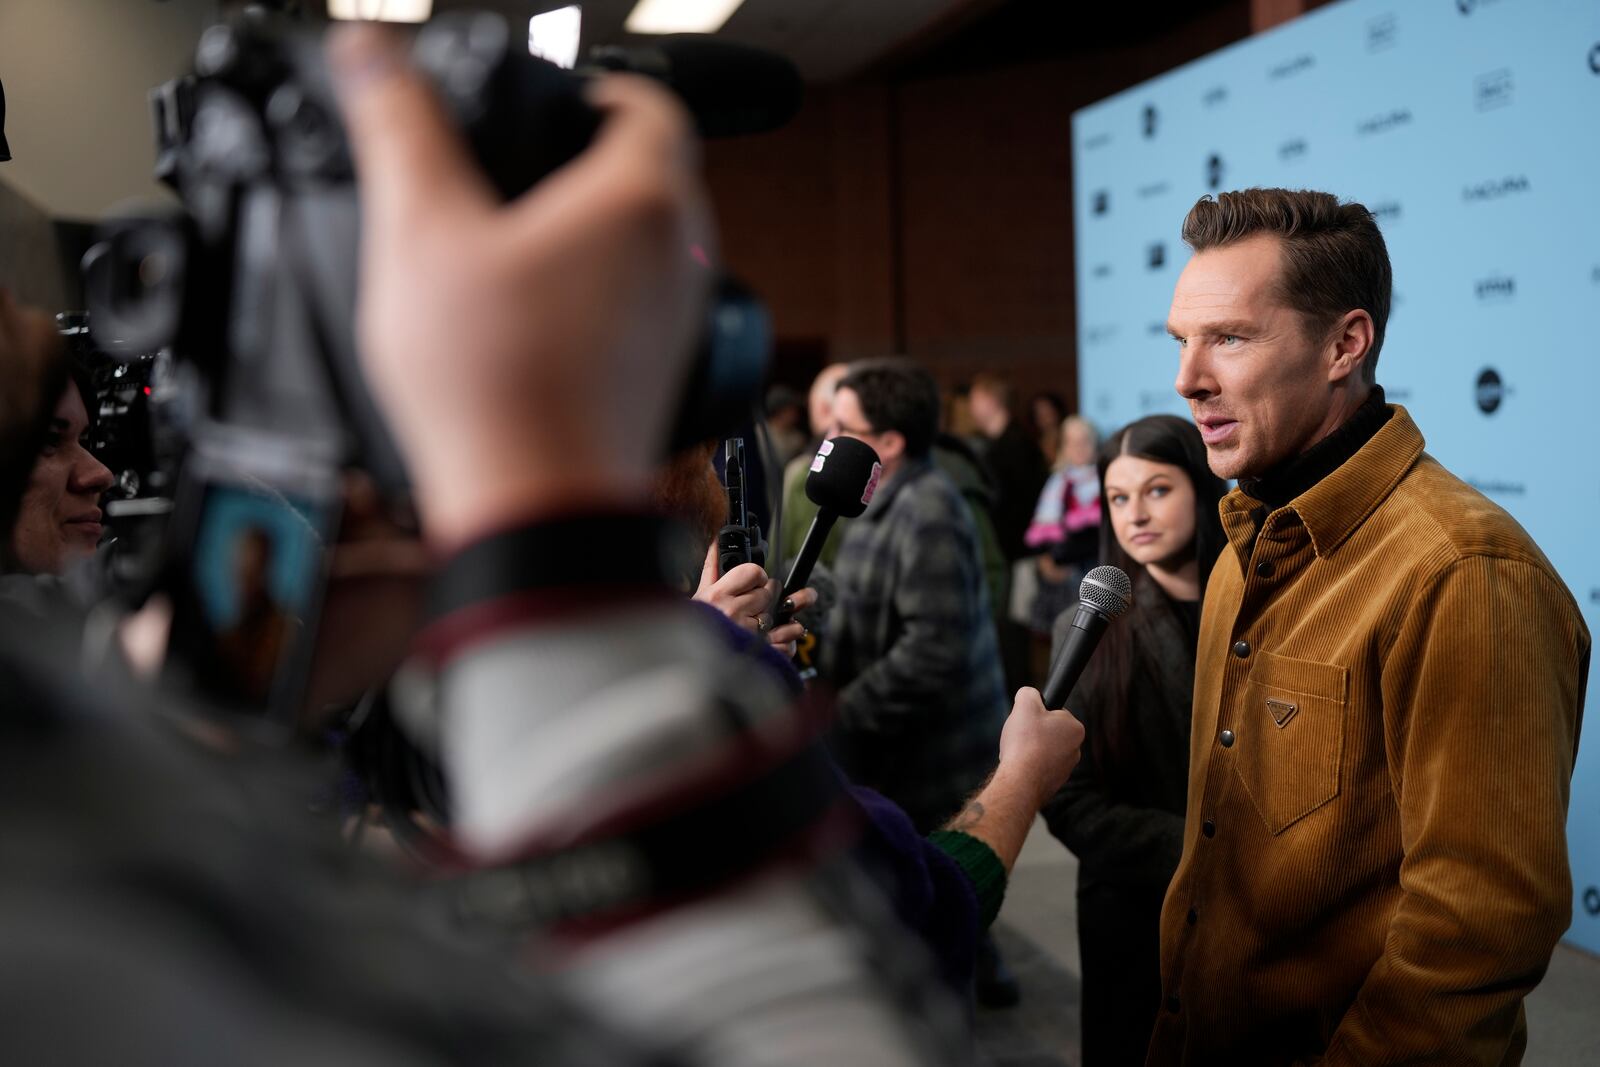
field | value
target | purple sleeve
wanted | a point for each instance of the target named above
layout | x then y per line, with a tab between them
931	894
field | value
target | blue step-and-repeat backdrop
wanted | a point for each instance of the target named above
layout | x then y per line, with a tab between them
1471	128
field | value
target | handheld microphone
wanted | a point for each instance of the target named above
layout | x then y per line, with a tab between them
1104	594
843	477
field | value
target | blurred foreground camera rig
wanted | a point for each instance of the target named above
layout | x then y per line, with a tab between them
240	304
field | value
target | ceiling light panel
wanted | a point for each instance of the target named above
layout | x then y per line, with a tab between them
680	16
554	35
381	10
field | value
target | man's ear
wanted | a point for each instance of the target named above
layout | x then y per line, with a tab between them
1349	343
891	445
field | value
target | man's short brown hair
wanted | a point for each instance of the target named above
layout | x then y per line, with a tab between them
1334	257
897	394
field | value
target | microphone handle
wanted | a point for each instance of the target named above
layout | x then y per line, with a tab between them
1088	626
810	549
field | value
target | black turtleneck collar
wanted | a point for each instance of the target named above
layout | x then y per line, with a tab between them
1289	479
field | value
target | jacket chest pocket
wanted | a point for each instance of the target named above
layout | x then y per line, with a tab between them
1291	734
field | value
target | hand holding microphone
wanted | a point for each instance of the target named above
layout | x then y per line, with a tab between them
843	477
745	594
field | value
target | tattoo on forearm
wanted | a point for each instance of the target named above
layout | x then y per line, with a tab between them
970	816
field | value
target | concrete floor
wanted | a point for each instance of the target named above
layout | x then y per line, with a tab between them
1037	931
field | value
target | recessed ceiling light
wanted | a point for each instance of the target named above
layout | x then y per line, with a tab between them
381	10
554	35
680	16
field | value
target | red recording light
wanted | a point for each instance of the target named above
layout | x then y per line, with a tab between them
147	390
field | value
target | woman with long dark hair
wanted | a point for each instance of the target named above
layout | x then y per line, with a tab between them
1122	811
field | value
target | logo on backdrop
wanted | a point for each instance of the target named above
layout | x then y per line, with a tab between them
1289	151
1151	117
1217	95
1214	171
1491	391
1156	256
1385	211
1466	7
1388	120
1101	270
1096	335
1099	140
1594	58
1381	32
1495	188
1594	274
1494	487
1100	202
1496	288
1153	189
1493	90
1591	900
1290	67
1156	328
1154	399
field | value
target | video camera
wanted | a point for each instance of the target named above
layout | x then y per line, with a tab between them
251	290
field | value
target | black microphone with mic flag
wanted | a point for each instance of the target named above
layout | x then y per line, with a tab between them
843	477
1104	594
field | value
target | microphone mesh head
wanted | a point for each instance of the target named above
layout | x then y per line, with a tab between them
1107	590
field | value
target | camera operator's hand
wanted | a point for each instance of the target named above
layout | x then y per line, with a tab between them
528	355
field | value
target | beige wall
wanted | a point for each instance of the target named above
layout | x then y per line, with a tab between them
30	266
76	75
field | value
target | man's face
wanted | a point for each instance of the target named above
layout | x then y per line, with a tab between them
1257	383
58	521
850	421
985	406
819	405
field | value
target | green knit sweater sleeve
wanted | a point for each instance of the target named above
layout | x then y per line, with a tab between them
981	866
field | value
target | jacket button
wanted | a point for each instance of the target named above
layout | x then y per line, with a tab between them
1173	1004
1209	828
1227	739
1241	648
1264	569
1192	918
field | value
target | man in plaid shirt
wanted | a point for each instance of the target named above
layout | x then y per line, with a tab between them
911	644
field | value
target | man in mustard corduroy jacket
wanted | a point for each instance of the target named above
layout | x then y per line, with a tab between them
1388	690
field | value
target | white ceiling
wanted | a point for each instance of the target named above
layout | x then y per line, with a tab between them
827	39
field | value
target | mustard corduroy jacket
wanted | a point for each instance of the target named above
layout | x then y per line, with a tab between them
1388	693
